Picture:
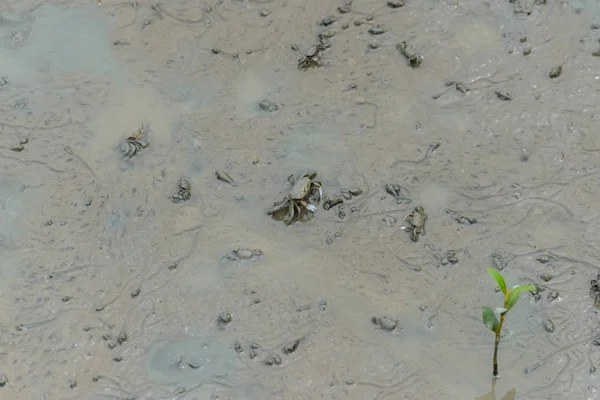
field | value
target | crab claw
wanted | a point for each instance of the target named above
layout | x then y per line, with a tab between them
311	208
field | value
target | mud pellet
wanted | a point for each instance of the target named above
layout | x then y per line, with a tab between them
377	30
291	347
272	359
122	338
524	154
237	346
388	323
329	20
544	259
224	176
461	219
322	305
264	105
225	318
396	3
503	95
385	322
548	325
555	72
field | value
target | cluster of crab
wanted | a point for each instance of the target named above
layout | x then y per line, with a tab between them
300	199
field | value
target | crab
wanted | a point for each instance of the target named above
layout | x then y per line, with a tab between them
134	143
415	223
183	192
298	199
312	58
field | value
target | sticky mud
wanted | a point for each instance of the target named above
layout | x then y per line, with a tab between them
92	245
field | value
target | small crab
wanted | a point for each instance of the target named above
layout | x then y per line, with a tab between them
183	192
312	57
415	223
298	200
134	143
315	190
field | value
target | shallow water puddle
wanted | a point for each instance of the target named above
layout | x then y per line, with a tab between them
11	203
70	39
192	361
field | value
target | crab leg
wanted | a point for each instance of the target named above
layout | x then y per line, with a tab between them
289	217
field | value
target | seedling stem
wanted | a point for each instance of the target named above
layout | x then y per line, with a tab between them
490	319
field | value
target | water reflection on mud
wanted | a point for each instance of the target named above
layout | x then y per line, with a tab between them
445	137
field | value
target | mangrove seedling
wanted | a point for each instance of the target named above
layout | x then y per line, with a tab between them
490	317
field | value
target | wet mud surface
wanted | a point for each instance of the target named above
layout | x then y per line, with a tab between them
141	144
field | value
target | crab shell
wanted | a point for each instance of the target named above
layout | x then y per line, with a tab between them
301	189
305	173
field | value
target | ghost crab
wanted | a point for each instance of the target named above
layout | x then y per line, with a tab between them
303	192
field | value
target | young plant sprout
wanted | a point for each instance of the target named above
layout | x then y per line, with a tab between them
490	317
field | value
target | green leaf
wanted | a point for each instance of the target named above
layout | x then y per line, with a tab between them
490	320
499	279
515	293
